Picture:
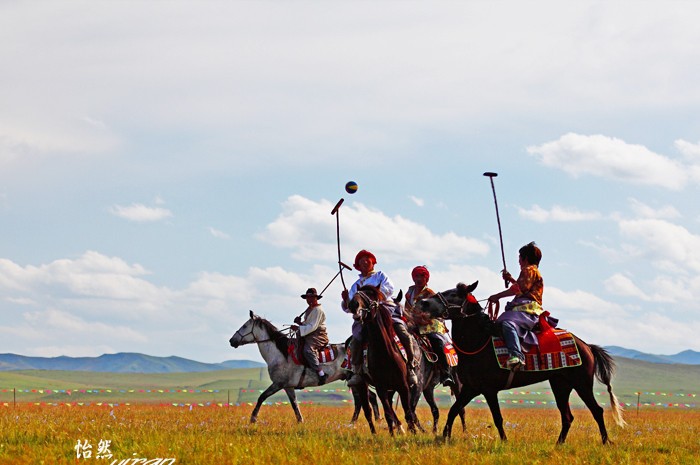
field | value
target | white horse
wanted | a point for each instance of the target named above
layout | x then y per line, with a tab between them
284	372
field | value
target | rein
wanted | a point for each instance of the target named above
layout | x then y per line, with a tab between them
474	352
448	306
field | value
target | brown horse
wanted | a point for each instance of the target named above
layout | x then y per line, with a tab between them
480	373
385	365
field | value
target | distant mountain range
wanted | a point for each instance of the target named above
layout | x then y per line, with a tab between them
126	362
687	357
119	363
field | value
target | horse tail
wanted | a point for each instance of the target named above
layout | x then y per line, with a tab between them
604	370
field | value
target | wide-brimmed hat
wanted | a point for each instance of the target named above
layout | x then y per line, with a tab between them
311	292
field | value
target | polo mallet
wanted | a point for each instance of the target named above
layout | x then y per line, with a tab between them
491	175
342	265
335	212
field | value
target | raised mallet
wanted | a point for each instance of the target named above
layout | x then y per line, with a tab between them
335	212
342	265
491	175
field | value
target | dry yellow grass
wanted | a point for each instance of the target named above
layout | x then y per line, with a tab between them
214	435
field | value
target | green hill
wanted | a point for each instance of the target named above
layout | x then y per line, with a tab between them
658	383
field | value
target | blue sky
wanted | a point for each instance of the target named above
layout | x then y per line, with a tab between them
165	167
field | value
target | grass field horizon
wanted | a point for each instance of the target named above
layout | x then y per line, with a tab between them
674	384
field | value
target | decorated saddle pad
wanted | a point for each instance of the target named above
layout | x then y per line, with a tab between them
347	363
557	350
325	355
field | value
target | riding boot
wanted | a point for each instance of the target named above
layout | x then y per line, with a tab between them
357	359
405	338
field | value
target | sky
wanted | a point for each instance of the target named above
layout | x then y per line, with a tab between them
167	167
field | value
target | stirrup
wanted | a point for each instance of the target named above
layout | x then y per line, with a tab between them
515	363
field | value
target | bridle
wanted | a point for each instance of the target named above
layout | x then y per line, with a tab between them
252	331
369	308
448	306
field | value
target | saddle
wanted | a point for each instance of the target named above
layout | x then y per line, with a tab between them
556	349
347	363
427	349
325	354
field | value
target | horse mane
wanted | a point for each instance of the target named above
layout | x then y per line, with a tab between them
280	339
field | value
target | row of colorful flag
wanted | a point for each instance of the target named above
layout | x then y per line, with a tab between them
223	404
213	391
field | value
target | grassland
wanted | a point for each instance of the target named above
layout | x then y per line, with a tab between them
143	417
44	434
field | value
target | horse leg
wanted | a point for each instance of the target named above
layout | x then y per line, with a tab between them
492	401
408	409
363	394
375	405
465	396
562	390
429	396
588	398
357	403
414	398
389	413
454	391
291	393
274	387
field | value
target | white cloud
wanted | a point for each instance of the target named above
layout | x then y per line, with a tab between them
688	149
611	158
619	284
417	200
141	213
218	234
306	227
670	247
645	211
557	213
577	302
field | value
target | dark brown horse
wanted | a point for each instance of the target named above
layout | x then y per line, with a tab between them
385	365
480	373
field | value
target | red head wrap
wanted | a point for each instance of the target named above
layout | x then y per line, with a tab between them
364	253
421	271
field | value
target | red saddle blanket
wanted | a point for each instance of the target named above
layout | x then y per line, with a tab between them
557	349
325	355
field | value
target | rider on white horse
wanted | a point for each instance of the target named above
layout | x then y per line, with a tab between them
312	330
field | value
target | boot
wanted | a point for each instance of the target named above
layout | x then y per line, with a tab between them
356	379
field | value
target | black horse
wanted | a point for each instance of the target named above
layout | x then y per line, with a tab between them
480	373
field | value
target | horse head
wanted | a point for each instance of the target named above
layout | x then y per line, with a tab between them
244	333
366	301
453	303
